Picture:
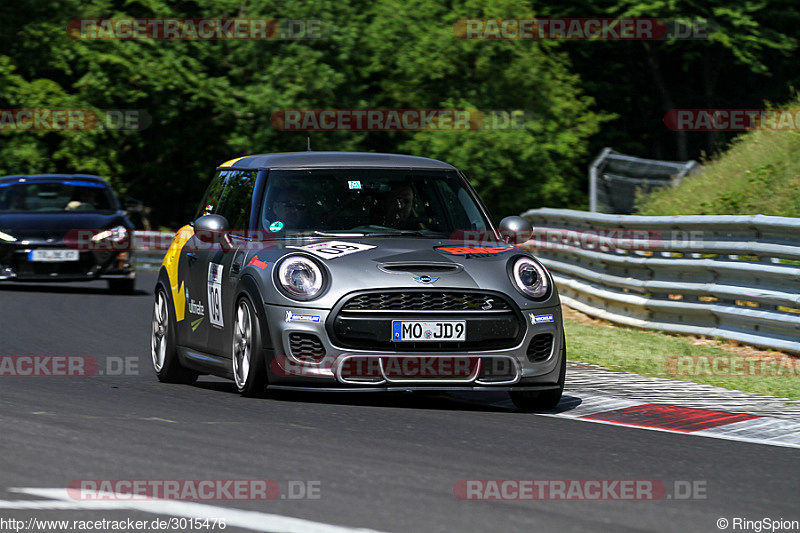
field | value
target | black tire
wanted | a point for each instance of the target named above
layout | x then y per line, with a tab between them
253	383
122	286
167	366
545	400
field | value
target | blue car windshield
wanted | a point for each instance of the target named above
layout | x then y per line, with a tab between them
55	196
432	203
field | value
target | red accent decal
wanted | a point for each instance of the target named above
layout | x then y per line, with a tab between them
257	262
464	250
683	419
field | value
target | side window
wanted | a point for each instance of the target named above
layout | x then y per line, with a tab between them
212	196
230	195
460	207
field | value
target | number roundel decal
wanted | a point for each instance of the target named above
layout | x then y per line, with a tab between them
334	249
215	294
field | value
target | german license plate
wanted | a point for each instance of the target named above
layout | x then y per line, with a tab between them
443	330
53	256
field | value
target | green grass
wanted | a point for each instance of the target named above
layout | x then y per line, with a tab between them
759	173
648	352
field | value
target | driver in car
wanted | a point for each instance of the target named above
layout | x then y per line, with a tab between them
394	206
290	208
83	199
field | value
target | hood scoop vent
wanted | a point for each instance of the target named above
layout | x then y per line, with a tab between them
420	267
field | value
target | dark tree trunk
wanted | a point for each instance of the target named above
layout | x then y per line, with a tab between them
666	98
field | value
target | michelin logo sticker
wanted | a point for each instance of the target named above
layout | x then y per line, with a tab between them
291	317
540	319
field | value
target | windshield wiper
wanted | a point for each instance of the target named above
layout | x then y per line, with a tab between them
401	233
340	234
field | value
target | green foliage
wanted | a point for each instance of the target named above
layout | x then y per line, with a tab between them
750	56
211	101
652	353
760	173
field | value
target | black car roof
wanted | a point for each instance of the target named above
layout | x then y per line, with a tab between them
17	177
335	159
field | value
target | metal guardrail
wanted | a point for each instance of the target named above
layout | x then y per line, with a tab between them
150	247
736	277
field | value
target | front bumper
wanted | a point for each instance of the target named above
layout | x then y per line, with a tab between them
15	265
333	366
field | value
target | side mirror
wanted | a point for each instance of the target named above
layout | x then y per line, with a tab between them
210	228
515	230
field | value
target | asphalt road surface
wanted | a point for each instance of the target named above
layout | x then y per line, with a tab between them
386	463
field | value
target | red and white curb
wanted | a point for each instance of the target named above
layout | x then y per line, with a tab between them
596	394
676	419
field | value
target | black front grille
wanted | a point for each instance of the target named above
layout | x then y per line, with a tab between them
540	347
425	301
365	320
306	345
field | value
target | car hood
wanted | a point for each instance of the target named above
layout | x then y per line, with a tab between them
35	226
395	263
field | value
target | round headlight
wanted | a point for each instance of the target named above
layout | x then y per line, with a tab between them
530	278
300	277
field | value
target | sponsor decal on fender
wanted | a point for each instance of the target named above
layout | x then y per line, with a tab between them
541	319
256	262
196	308
291	317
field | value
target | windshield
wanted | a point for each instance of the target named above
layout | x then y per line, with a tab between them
55	195
371	201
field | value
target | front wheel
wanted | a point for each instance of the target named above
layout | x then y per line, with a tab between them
247	358
162	345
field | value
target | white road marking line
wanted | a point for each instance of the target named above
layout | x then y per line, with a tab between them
39	505
254	520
